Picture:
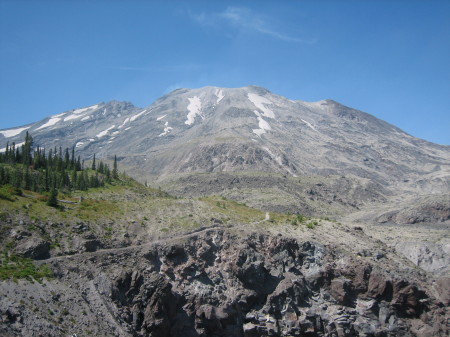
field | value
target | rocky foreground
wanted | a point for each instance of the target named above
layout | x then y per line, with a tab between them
229	281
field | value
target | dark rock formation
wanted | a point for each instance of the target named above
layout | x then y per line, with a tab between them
219	285
34	248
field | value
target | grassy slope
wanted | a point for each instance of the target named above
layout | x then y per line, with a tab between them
126	213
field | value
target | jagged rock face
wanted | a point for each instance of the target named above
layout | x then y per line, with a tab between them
221	283
267	286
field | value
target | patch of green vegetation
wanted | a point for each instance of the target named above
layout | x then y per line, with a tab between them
16	267
311	224
299	219
8	192
233	210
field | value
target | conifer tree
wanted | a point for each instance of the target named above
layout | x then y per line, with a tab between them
115	173
53	198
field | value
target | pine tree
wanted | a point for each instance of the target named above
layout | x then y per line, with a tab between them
53	198
27	148
66	159
115	172
72	159
93	163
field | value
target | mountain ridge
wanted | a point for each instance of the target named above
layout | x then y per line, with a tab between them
213	129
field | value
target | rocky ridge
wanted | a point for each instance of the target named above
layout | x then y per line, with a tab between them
230	282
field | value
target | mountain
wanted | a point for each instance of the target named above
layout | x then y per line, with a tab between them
283	218
217	129
231	133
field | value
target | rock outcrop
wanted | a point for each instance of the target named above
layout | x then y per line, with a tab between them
230	283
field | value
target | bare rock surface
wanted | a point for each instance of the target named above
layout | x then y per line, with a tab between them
226	282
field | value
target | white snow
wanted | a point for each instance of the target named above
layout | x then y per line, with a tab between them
124	122
259	102
263	125
13	132
52	121
78	111
79	144
128	128
85	118
91	139
219	94
309	124
159	118
58	115
194	107
115	133
70	117
166	129
105	132
137	115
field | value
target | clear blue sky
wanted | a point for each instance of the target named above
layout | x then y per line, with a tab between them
388	58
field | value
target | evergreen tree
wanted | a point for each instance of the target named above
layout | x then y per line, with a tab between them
72	159
53	198
93	163
27	148
78	164
66	159
115	172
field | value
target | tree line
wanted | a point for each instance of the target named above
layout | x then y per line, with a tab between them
33	168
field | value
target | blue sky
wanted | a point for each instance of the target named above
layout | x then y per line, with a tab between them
387	58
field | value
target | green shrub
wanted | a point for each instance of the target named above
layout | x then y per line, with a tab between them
16	267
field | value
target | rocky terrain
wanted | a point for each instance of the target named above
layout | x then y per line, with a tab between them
282	218
227	281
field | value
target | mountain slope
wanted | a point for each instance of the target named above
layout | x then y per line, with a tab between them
212	129
247	129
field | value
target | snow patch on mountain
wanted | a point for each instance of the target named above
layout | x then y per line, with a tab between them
194	107
259	102
159	118
309	124
167	129
52	121
85	118
124	122
219	94
132	119
105	132
263	125
79	111
13	132
79	144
